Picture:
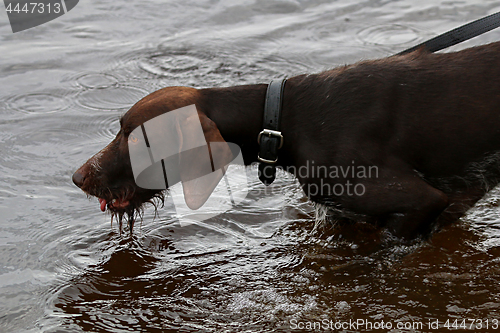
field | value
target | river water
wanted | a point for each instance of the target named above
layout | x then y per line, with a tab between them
256	268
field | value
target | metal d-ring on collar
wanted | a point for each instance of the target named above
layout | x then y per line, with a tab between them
270	139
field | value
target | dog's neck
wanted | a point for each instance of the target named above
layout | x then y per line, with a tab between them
238	113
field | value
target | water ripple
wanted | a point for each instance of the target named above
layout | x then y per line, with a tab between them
111	98
51	141
392	34
97	81
199	66
41	102
97	128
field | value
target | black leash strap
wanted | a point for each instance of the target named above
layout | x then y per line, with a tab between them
458	35
270	139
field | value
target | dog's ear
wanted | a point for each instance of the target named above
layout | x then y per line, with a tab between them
201	166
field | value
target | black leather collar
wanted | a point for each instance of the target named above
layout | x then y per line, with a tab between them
270	139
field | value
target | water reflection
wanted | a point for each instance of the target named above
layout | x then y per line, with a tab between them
254	268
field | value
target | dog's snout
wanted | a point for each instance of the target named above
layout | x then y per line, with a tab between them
78	178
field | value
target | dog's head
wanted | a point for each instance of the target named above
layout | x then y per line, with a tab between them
109	175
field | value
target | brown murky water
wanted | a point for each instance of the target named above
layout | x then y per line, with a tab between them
256	268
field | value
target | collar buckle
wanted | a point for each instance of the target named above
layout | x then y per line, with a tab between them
271	133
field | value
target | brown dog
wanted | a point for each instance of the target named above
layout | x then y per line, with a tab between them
418	134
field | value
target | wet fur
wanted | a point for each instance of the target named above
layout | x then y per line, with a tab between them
430	122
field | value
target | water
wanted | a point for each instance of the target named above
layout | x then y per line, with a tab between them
65	268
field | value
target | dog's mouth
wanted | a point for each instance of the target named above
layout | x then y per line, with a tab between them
115	205
121	199
128	204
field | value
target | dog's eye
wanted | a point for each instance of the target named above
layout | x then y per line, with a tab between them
133	139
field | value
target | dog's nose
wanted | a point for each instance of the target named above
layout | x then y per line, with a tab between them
78	178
